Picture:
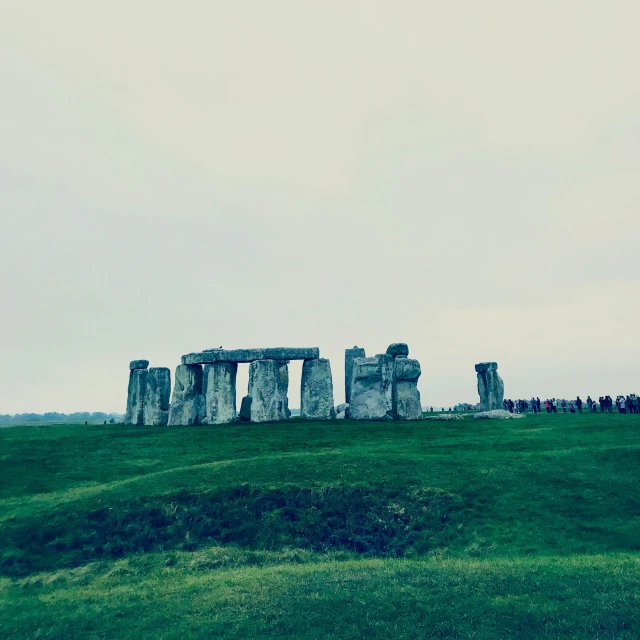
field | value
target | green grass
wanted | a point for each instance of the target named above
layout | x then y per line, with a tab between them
460	529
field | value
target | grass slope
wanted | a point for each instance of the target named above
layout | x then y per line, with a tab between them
462	529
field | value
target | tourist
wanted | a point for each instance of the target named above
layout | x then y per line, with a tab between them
547	405
554	405
579	404
564	406
589	403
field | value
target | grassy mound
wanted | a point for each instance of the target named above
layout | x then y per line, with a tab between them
517	529
372	521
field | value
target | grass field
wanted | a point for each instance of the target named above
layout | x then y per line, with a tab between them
460	529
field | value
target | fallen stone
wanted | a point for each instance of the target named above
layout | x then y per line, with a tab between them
219	393
135	396
490	386
268	386
398	349
406	397
372	388
250	355
186	402
138	364
316	396
498	414
156	397
446	416
349	356
245	409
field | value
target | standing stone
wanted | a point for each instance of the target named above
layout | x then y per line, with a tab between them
490	386
135	396
186	402
245	409
372	388
341	411
316	395
398	349
219	389
349	356
406	397
156	397
268	386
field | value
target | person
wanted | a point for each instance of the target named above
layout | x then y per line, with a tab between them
554	405
594	407
589	403
431	409
539	405
547	405
572	408
511	405
564	406
622	405
534	405
579	404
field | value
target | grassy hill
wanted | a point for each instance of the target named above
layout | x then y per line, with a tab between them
461	529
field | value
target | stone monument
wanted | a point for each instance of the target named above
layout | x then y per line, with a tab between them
316	394
490	386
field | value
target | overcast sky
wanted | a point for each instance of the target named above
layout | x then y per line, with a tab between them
462	176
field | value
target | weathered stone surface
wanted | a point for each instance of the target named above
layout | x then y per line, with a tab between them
268	386
406	397
138	364
156	397
249	355
219	392
245	409
135	396
186	402
316	396
341	411
372	388
349	356
446	416
398	349
498	414
490	386
486	366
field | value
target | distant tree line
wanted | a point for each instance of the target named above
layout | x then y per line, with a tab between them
53	416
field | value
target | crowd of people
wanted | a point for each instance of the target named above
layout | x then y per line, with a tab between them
604	404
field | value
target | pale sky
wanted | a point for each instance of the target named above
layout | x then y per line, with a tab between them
461	176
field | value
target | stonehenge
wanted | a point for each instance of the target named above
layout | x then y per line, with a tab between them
349	356
382	387
219	392
372	388
490	386
186	401
385	387
268	386
136	395
406	397
156	397
316	395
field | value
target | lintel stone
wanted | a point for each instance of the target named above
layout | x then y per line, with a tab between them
249	355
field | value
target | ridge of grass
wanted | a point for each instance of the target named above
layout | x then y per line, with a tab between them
508	529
